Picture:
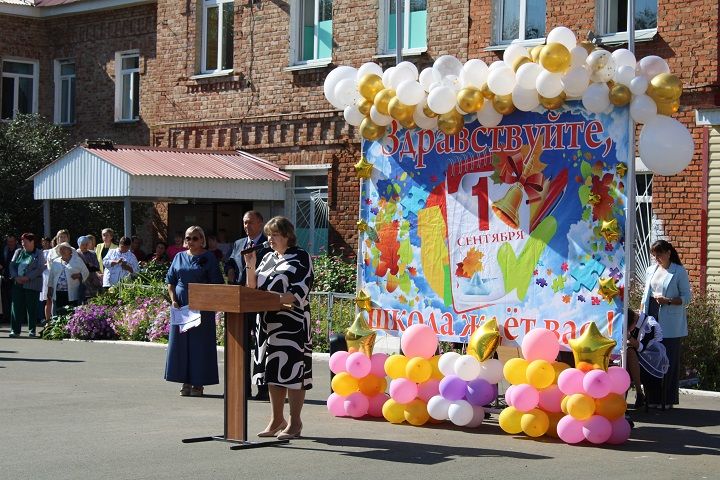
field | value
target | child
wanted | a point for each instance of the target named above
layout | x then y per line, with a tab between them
644	349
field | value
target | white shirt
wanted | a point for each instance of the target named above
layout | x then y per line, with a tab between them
114	273
74	265
658	280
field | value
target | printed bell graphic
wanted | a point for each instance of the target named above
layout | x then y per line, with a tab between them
507	207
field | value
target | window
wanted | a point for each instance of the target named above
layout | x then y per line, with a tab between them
64	92
647	228
308	201
127	86
519	20
312	31
615	12
217	36
414	26
19	87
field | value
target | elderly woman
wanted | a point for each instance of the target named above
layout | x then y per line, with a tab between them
102	249
192	354
284	350
665	297
26	269
67	273
119	263
93	283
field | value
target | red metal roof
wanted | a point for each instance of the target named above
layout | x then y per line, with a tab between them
165	162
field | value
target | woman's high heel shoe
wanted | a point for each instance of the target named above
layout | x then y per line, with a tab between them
273	432
285	435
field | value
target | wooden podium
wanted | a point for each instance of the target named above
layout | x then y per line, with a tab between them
235	301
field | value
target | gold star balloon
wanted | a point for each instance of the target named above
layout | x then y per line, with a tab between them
621	169
359	336
362	300
363	169
484	341
610	230
592	348
608	289
362	226
593	198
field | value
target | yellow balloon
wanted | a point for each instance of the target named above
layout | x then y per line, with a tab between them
563	404
620	95
503	104
553	103
370	131
470	99
540	374
665	88
668	108
364	106
510	419
592	347
451	123
393	412
520	61
382	100
399	111
484	341
369	85
555	57
611	407
428	112
359	336
395	366
487	93
416	412
344	384
372	385
535	423
408	124
559	367
514	370
418	370
580	406
436	373
535	53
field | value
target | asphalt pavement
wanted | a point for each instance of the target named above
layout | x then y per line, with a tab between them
77	410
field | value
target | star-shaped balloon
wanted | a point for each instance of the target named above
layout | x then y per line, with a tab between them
362	300
592	348
610	230
621	169
359	336
363	169
593	198
362	226
608	289
484	341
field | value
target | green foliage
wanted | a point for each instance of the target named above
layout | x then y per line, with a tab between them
334	273
56	328
700	350
341	317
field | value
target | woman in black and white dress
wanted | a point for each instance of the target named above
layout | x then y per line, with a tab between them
284	345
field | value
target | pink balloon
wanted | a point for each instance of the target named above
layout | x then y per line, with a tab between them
551	399
376	404
597	383
570	430
356	404
419	340
540	344
358	365
336	405
620	431
403	390
429	389
337	361
619	380
597	429
510	396
377	364
525	397
570	381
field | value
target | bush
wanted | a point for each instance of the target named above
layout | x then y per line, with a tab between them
144	319
700	358
334	273
92	322
341	317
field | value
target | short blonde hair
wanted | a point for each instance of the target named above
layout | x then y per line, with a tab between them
284	227
192	229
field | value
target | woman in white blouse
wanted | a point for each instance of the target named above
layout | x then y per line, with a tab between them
67	272
119	263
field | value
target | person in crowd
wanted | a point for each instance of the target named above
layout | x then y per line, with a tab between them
67	274
212	245
644	351
177	247
192	355
224	246
284	342
160	255
26	268
236	273
119	263
45	306
104	248
136	248
6	283
61	236
93	283
665	297
46	243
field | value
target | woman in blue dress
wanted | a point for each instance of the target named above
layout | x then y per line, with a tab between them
192	355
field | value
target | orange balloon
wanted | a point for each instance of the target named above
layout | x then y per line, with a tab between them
611	407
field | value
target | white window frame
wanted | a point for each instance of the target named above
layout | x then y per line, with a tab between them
59	91
296	19
35	77
610	38
203	53
384	29
498	24
119	73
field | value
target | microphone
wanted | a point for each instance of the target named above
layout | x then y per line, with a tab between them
255	248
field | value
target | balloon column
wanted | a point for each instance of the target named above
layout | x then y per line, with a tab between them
449	93
358	386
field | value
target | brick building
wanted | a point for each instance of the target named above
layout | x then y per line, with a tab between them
215	74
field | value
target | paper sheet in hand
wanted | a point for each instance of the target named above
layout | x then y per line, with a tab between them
184	318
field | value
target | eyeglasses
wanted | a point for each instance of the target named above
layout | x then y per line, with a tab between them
194	239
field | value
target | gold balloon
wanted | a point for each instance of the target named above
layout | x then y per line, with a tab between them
364	106
588	46
470	99
535	53
359	336
621	169
371	131
362	300
408	124
610	230
592	347
369	85
486	92
363	169
362	226
399	111
668	108
484	341
555	57
503	104
382	100
451	123
428	112
608	289
520	61
553	103
620	95
665	88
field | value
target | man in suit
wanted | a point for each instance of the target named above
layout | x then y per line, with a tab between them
253	223
8	251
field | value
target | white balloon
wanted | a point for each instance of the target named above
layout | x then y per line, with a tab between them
639	85
460	111
426	78
513	52
434	85
332	80
488	116
438	407
497	64
501	80
624	58
474	73
410	92
369	67
527	74
653	65
491	370
624	75
601	65
409	65
578	56
378	118
525	99
441	99
422	120
453	82
666	146
447	65
387	75
562	35
643	109
346	92
446	364
576	81
467	367
353	116
400	75
596	98
460	412
549	84
478	417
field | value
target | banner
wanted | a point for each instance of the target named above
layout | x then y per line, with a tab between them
522	222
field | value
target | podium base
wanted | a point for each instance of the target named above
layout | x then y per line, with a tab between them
236	444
